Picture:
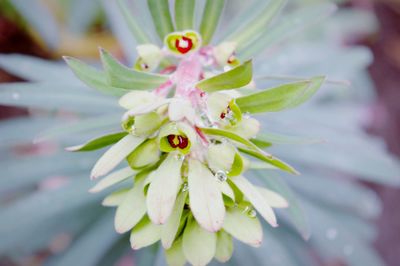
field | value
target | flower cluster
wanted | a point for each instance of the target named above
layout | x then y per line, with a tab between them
188	137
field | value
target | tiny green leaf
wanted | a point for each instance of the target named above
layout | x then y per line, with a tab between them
159	10
184	13
235	78
99	142
92	77
137	31
121	76
280	98
212	12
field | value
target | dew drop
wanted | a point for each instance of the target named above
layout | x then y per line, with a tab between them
331	233
180	157
15	96
221	175
252	213
185	187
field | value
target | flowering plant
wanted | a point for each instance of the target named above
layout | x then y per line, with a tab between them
188	137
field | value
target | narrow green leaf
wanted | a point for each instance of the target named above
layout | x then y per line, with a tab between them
270	159
274	138
209	22
159	10
280	98
121	76
230	135
258	25
92	77
184	14
287	27
235	78
137	31
98	143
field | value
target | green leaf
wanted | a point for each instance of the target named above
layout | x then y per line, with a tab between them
267	139
258	25
92	77
235	78
184	14
159	10
230	135
280	98
121	76
209	22
99	143
288	26
271	160
137	31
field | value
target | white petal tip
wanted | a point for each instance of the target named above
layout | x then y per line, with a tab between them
73	148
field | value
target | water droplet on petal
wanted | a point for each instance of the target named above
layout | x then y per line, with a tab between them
252	213
221	175
185	187
331	233
180	157
15	96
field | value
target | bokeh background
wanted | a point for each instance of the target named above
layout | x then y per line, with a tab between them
82	25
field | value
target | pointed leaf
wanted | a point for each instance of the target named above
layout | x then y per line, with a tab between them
98	143
211	14
116	154
170	229
132	209
242	227
198	244
159	10
136	30
121	76
115	198
161	195
184	14
235	78
280	98
205	197
258	25
112	179
92	77
144	234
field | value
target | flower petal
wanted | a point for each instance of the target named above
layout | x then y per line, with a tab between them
163	189
113	156
115	198
146	107
221	156
170	228
150	54
248	128
146	154
179	109
144	234
174	255
224	249
132	209
242	227
217	104
205	197
274	199
226	189
135	99
256	199
223	51
112	179
198	244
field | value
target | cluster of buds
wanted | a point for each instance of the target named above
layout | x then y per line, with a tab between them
188	143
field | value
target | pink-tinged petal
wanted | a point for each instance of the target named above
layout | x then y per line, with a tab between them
179	109
256	199
116	154
242	227
205	197
163	189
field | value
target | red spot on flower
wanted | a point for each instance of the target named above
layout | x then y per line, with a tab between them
184	44
222	115
178	141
